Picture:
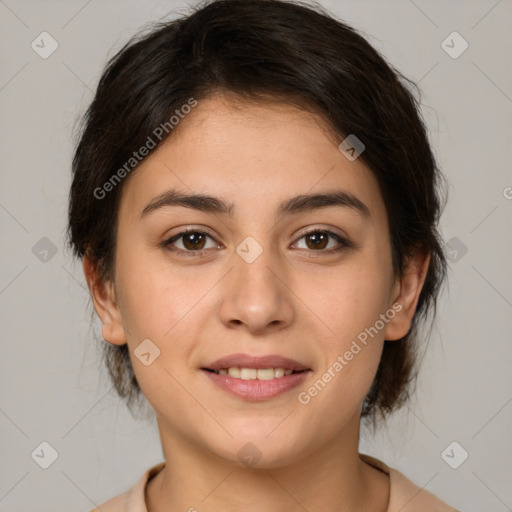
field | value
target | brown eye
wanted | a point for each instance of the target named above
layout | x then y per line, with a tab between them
317	240
194	241
190	241
320	241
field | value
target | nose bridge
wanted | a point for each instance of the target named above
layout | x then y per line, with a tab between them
256	296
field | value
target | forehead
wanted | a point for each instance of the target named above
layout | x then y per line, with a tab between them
245	150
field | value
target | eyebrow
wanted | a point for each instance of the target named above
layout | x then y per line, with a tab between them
294	205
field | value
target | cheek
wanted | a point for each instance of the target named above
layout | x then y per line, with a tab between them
352	299
166	308
351	304
350	357
163	308
153	297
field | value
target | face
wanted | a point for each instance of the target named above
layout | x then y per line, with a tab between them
260	278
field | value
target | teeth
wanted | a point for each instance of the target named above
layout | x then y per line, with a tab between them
248	373
234	372
253	373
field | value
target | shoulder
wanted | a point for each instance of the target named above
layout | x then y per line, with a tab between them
132	500
116	504
406	496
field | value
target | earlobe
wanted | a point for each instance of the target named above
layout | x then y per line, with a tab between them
406	293
105	305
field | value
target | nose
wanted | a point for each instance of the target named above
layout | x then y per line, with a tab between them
255	297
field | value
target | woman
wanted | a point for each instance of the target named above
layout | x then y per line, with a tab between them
256	203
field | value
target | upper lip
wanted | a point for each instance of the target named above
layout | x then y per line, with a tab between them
257	362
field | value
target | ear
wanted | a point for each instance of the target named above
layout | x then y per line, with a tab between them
103	297
405	293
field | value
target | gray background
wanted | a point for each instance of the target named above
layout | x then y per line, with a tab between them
53	387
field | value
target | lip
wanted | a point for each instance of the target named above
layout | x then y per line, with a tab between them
257	362
256	390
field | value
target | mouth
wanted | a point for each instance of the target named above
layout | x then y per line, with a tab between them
256	377
248	367
254	373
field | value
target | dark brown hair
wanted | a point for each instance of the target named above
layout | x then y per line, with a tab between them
295	53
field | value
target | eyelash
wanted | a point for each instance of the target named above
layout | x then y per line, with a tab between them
345	244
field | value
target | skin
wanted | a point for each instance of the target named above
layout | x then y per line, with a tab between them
293	300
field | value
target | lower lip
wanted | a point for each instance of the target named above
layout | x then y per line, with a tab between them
255	389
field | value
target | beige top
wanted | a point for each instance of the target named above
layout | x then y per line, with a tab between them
405	496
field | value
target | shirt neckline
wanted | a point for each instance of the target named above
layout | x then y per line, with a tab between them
404	495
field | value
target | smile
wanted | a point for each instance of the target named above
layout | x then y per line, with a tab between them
248	384
254	373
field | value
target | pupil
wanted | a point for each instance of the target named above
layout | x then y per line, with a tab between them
189	239
318	240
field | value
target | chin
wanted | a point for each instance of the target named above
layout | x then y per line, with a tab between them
261	450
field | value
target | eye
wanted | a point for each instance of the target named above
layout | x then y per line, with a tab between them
318	240
190	241
193	242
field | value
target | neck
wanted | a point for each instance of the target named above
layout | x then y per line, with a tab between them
331	479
